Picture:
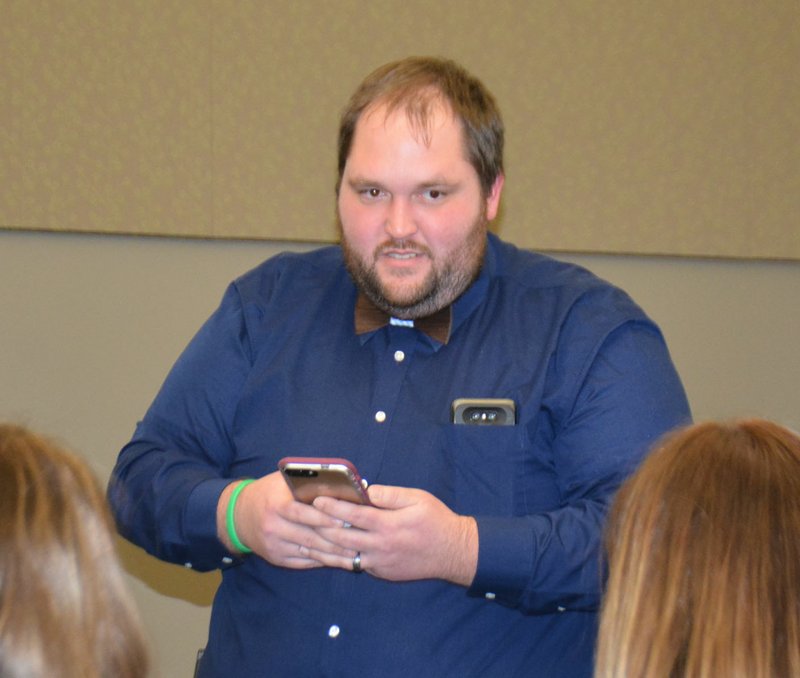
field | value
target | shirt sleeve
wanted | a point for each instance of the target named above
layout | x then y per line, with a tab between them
167	481
629	397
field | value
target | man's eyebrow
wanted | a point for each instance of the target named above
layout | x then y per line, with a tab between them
428	184
439	183
363	181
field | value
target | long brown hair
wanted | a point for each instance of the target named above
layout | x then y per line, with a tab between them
703	544
64	609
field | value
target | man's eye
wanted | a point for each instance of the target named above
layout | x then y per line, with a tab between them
371	192
433	194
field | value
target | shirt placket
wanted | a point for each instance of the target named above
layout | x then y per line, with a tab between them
394	351
394	354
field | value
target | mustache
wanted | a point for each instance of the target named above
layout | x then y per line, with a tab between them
405	245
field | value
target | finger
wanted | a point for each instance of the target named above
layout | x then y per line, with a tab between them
343	563
301	563
305	540
343	512
308	515
390	496
347	540
298	556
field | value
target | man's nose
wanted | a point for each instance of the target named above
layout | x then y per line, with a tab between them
400	221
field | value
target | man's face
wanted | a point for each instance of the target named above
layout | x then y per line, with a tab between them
412	215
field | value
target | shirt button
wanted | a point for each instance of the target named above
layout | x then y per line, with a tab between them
333	631
380	416
399	356
490	596
188	565
227	561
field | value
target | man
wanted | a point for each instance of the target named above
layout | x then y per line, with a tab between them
481	550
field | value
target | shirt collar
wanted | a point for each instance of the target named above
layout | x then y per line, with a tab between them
369	318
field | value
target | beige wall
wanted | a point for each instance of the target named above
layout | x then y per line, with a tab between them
91	324
639	127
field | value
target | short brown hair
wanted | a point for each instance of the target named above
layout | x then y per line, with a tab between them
417	84
704	557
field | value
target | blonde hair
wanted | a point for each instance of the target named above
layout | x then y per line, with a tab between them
703	544
64	609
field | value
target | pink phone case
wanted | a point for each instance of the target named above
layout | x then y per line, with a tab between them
311	477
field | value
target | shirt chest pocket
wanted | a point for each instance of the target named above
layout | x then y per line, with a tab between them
487	468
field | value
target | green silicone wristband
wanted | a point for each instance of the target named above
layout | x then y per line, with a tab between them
229	521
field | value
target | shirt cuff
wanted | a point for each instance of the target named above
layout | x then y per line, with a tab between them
200	522
505	559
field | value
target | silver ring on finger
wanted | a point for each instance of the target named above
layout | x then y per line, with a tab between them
357	563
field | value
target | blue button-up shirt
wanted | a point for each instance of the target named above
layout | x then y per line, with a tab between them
278	370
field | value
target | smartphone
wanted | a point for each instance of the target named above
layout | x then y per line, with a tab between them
484	411
311	477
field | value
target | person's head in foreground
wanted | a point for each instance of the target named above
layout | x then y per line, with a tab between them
703	544
64	609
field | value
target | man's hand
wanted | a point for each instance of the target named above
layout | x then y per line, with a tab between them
281	530
407	534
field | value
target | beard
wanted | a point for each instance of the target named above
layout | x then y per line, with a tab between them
447	279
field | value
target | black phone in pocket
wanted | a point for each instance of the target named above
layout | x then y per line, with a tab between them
484	412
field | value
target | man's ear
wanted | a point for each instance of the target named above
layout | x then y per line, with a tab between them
493	199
